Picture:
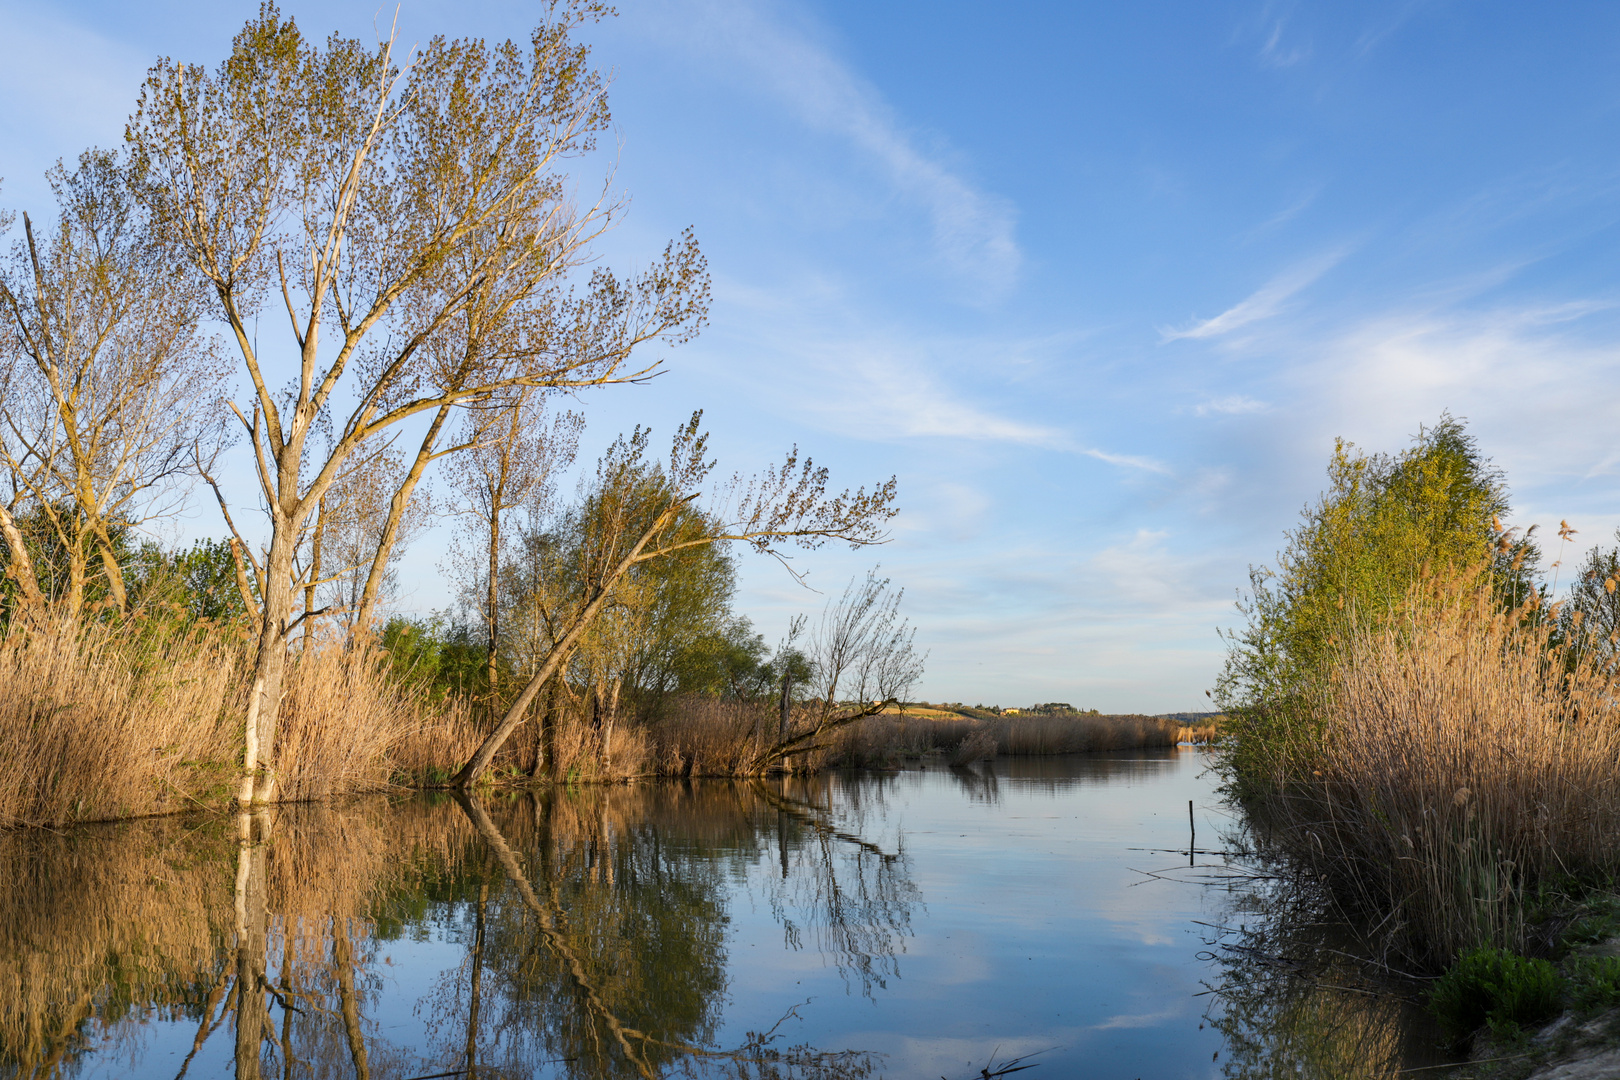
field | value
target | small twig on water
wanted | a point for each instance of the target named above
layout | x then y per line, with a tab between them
1011	1065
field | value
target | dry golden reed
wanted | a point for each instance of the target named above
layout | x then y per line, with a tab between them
103	722
1458	760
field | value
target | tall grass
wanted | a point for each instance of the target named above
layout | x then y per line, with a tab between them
884	739
99	723
1457	761
707	737
109	721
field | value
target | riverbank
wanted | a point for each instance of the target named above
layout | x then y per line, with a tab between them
143	717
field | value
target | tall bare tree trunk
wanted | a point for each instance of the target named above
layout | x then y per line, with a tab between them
264	699
75	594
782	716
540	755
492	611
366	609
115	575
314	574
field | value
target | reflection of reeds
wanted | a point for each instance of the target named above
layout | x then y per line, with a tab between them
1292	1000
112	926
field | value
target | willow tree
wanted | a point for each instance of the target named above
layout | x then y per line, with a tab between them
413	222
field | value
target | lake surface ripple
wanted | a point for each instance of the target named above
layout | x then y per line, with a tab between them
930	923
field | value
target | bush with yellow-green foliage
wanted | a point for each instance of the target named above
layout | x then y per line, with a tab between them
1384	522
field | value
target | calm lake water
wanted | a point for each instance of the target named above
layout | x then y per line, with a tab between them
925	924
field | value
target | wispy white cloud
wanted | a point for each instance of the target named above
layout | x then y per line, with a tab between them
973	230
1129	461
885	395
1287	213
1279	52
1231	405
1264	303
1384	27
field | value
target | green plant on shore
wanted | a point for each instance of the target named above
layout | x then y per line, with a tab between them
1498	988
1594	982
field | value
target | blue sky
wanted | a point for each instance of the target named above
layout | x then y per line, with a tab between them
1100	283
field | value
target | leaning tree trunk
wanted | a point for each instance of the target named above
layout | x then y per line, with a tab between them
559	653
20	568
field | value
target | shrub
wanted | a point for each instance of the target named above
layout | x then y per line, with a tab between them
1496	987
1594	982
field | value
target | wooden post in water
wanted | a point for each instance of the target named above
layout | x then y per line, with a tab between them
1192	833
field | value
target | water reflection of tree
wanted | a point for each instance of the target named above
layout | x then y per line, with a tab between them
1294	1001
594	923
603	952
853	896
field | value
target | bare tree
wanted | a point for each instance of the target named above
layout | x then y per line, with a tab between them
864	658
514	466
112	391
419	213
638	522
347	555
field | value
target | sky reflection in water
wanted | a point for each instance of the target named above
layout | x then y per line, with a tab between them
915	925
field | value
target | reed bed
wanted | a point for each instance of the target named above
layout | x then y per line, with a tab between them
885	739
1082	733
104	722
1458	762
96	723
706	737
112	721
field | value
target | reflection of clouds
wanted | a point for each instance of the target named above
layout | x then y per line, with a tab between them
1140	1020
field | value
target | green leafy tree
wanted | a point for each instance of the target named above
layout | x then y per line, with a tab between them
1384	521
